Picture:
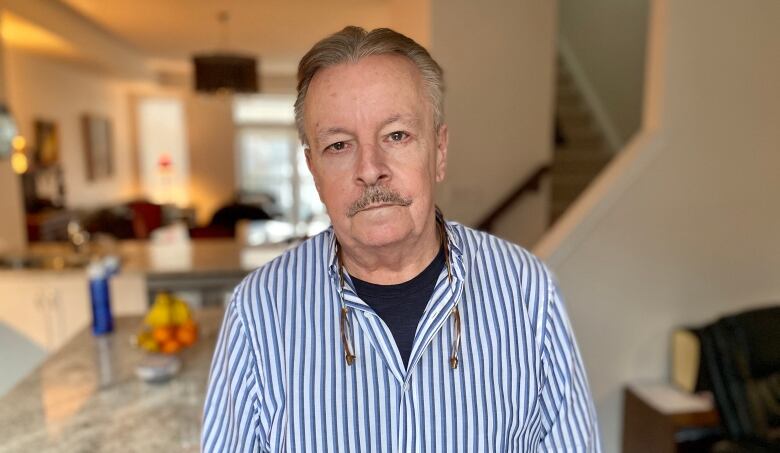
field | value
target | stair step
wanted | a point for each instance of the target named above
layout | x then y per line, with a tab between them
557	210
581	152
567	94
573	115
582	167
569	188
572	178
571	183
575	131
567	196
577	163
563	79
576	121
575	110
585	141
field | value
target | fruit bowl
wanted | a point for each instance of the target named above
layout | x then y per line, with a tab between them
168	327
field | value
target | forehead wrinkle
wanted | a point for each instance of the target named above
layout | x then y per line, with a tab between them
323	135
409	120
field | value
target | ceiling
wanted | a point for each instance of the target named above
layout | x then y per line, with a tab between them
279	31
26	35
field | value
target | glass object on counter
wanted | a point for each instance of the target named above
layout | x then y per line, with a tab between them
260	232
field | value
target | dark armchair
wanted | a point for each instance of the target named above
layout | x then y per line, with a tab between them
740	358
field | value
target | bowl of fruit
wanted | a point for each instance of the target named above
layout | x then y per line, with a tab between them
168	327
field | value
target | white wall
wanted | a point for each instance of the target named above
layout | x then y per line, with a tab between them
211	134
13	236
684	226
54	90
603	43
498	58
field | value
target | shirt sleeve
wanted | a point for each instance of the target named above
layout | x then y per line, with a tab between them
568	417
232	406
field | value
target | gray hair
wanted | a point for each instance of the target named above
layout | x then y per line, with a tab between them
353	43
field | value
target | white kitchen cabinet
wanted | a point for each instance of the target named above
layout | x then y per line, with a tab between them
45	306
49	307
21	309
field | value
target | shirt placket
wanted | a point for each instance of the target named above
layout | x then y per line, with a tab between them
378	334
434	318
436	314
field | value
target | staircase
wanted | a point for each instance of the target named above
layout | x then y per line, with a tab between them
580	154
580	150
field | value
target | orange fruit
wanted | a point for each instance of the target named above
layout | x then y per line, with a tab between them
162	334
170	347
186	335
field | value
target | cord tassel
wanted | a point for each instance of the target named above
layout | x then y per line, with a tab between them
345	337
456	342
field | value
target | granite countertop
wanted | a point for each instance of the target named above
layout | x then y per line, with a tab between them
198	256
86	397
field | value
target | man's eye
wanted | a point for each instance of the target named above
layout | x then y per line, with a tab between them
398	136
338	146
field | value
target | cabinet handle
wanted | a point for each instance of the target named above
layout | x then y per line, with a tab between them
57	311
42	303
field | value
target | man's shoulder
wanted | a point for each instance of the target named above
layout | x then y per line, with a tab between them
307	258
480	245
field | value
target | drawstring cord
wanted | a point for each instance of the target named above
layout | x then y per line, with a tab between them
349	356
346	325
456	341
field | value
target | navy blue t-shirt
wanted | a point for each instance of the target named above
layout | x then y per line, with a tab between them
401	306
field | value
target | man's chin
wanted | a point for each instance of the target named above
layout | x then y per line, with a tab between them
379	226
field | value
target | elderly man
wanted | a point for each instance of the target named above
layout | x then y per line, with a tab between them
393	330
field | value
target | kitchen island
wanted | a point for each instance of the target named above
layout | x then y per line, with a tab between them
86	397
49	305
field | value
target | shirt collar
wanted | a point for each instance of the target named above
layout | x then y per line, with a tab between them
453	242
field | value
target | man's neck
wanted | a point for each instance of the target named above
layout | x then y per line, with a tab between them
393	264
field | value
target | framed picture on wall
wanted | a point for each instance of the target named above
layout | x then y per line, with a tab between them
98	146
47	143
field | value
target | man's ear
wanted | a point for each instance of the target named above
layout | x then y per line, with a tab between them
307	153
310	164
442	138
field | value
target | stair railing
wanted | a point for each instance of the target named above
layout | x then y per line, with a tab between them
530	184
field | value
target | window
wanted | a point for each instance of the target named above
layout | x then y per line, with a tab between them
271	163
162	143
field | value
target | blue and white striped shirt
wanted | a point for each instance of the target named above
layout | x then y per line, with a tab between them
279	381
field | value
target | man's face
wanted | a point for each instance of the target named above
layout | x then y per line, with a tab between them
373	150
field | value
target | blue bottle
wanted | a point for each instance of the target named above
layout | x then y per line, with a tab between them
102	321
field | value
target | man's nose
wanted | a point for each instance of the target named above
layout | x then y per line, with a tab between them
371	166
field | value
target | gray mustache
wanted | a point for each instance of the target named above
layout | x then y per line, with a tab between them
377	194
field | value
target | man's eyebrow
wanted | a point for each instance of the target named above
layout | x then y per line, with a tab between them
409	120
324	134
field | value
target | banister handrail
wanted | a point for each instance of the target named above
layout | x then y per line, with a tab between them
530	183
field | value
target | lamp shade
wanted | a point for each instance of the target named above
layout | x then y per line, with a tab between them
225	71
